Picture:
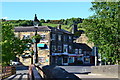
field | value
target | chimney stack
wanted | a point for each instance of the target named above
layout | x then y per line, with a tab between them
59	26
74	28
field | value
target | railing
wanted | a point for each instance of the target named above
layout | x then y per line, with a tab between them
34	74
7	71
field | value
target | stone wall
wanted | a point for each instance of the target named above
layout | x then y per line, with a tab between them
56	73
108	70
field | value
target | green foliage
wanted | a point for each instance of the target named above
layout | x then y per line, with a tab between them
103	29
11	46
36	37
19	22
42	21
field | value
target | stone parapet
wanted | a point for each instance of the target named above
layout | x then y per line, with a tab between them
108	70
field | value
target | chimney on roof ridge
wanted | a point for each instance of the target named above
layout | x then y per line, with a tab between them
74	28
59	26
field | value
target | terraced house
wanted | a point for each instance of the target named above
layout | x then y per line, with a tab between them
53	48
57	46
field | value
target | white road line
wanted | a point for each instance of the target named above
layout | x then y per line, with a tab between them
18	76
25	76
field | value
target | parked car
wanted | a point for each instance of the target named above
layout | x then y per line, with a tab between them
15	63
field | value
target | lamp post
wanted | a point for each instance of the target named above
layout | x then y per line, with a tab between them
36	23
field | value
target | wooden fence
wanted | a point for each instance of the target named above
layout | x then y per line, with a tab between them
7	71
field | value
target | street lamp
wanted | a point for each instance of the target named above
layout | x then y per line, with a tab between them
36	23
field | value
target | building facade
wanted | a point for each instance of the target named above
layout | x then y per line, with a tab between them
55	47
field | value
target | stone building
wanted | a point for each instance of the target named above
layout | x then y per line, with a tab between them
53	48
57	46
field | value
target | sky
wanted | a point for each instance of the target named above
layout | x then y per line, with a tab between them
45	10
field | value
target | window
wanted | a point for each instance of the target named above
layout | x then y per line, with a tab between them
65	38
70	38
53	48
80	51
59	37
85	53
53	36
70	48
86	59
26	36
59	48
65	60
41	59
65	48
76	51
43	37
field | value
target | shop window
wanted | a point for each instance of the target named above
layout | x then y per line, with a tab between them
65	60
86	59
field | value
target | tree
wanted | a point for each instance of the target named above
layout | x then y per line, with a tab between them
42	21
11	46
103	29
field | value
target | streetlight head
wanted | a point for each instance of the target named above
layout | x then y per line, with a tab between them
36	21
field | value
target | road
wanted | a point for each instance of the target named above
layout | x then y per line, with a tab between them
84	73
77	69
21	73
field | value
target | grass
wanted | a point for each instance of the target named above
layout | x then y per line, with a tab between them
65	27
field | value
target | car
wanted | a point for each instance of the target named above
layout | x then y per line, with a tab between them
15	63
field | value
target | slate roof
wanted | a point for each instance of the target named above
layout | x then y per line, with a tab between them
82	46
40	28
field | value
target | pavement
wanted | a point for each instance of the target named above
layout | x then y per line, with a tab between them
21	73
84	73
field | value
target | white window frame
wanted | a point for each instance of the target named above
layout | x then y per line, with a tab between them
53	36
27	36
65	47
59	37
70	47
42	35
70	38
76	51
53	48
59	48
80	51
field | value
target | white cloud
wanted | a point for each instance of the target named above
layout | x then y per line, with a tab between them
5	18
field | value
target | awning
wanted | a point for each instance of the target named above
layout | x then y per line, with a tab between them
40	45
